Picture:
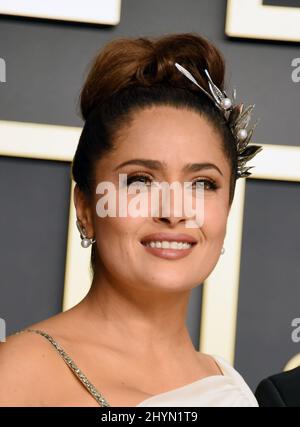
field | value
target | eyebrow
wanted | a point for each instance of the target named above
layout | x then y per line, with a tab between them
157	165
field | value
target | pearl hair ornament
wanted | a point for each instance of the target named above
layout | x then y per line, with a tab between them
237	118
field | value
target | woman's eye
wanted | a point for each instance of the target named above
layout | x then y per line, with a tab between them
138	178
208	184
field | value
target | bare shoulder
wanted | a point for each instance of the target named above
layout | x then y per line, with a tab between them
21	357
210	363
27	364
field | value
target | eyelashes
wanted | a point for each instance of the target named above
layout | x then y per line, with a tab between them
209	184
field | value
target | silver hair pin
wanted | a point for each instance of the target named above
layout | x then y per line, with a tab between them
237	118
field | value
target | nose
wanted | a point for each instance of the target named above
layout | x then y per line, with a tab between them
172	212
169	220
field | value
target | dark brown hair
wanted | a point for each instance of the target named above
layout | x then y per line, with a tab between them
129	74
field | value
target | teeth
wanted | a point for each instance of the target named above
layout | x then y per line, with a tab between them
169	245
165	245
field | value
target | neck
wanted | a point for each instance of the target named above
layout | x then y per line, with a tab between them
138	321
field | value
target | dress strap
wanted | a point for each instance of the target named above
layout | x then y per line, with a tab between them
74	368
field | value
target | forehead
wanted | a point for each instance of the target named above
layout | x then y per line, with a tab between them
172	135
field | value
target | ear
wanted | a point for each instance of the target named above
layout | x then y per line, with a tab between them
83	211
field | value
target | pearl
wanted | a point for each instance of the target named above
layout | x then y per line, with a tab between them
226	103
242	134
85	243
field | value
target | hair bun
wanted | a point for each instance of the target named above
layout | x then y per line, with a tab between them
146	61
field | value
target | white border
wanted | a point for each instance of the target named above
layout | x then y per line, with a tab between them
89	11
253	19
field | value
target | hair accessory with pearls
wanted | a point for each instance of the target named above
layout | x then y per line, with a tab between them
237	118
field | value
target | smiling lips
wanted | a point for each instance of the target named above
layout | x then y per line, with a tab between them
169	245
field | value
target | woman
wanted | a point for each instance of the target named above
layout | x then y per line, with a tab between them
145	119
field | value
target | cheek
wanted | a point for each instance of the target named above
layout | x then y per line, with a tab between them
213	233
117	237
215	219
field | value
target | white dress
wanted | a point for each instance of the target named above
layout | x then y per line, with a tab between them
228	389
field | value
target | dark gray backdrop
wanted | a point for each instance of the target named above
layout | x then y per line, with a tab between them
46	63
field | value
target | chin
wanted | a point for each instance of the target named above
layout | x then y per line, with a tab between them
170	282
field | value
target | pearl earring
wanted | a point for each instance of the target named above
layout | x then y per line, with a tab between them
223	250
85	241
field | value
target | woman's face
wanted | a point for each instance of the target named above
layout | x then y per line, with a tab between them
174	137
